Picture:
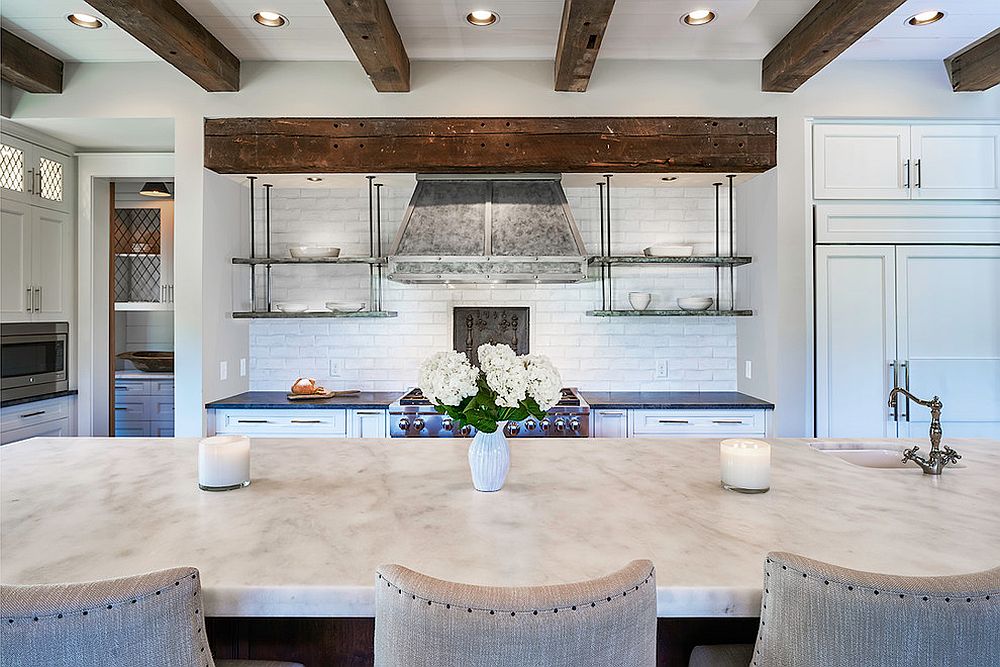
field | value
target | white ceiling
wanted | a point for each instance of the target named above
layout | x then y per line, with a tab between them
527	30
94	135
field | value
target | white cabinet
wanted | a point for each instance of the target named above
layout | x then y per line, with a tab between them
609	423
143	241
902	161
367	423
922	317
50	418
38	263
698	423
144	406
35	175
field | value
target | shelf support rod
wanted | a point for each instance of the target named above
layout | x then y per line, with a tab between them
732	246
267	241
607	199
718	267
604	253
371	242
378	237
253	267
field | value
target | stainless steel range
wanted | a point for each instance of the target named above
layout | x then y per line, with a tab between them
413	416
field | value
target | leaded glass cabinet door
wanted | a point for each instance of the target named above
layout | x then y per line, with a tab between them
16	184
53	185
136	243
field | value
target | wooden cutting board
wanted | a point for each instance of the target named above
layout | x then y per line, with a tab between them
323	394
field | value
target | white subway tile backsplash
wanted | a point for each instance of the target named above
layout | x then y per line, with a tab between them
593	353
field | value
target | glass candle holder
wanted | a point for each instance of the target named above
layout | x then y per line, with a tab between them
746	465
224	463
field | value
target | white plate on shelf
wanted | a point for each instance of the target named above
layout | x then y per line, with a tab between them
346	306
313	251
669	251
292	307
695	303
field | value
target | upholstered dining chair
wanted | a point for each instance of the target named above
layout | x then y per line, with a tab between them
817	614
608	622
149	620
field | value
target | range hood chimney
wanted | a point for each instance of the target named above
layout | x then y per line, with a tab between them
509	228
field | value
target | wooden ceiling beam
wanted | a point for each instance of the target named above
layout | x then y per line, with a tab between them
490	145
173	34
823	34
371	32
28	67
580	36
977	66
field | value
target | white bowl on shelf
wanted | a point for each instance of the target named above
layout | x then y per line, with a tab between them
663	250
639	300
292	307
313	251
346	306
695	303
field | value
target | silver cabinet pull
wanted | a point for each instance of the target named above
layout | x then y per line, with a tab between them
727	421
918	174
32	414
906	172
38	186
307	421
252	421
170	290
29	302
123	388
894	367
674	421
905	365
369	412
31	181
117	408
38	291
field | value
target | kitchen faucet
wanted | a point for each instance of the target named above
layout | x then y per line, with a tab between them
938	458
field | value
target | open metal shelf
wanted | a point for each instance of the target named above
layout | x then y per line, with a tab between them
254	261
709	260
277	315
670	313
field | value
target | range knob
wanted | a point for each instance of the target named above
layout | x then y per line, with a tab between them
574	424
530	424
512	428
446	424
560	425
545	425
404	424
466	430
418	424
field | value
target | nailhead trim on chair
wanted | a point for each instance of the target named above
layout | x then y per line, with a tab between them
86	612
514	612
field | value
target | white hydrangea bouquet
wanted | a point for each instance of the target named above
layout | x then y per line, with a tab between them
504	388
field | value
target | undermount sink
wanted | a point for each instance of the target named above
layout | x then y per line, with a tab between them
872	454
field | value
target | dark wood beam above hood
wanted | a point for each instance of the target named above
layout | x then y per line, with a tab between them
28	67
371	32
484	145
177	37
583	26
823	34
977	66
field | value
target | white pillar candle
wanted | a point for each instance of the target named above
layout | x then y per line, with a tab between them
223	462
746	465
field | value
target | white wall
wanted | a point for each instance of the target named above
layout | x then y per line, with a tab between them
847	88
591	353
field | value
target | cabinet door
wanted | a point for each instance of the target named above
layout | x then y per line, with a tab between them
15	261
949	337
861	161
955	161
53	173
610	423
58	428
367	424
16	184
855	341
52	264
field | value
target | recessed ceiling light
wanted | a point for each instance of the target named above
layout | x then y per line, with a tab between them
270	19
698	17
482	17
314	179
926	18
669	178
85	21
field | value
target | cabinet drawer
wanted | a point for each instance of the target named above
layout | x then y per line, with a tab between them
38	412
131	409
132	430
161	388
698	422
283	423
160	408
125	388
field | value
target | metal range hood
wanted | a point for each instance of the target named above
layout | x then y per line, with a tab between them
510	228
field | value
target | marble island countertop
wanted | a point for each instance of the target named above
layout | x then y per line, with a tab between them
305	537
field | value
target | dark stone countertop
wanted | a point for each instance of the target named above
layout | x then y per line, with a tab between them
35	399
271	400
684	400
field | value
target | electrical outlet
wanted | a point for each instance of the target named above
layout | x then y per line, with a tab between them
223	370
335	368
243	367
661	369
748	371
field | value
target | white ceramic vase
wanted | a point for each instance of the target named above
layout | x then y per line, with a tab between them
489	459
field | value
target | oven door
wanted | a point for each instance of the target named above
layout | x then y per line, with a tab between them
33	364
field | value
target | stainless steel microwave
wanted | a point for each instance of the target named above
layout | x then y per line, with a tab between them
33	359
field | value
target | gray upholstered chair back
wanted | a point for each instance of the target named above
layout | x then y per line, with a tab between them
608	622
151	619
817	614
